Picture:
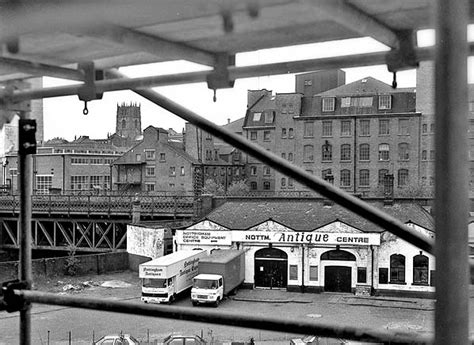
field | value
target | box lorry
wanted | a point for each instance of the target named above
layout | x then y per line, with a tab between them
220	273
167	276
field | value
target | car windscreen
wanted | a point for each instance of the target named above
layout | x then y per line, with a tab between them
205	284
156	283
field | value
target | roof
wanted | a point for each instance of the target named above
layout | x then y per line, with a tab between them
173	257
308	215
368	85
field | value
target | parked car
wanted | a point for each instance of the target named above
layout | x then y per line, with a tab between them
117	339
175	339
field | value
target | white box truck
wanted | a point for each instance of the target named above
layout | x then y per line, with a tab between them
167	276
220	273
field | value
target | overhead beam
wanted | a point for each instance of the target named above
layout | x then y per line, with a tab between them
40	69
358	21
161	47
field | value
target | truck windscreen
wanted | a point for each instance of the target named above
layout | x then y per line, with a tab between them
205	284
156	283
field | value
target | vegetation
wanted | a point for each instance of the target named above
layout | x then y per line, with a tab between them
72	262
236	188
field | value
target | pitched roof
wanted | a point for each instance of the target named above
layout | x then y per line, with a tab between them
307	215
367	85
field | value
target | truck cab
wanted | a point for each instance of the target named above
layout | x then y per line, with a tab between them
207	289
158	290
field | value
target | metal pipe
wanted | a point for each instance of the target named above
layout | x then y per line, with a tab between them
451	167
25	270
291	325
326	189
309	65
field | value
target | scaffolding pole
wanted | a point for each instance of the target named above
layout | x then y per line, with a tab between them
451	202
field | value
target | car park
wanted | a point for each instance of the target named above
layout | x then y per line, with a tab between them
117	339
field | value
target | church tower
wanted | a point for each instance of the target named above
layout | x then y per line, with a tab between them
129	121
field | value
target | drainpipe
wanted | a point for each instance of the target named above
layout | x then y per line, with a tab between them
302	268
372	269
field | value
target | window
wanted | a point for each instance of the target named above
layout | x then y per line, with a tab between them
162	157
266	170
362	275
397	269
257	116
420	270
327	152
253	185
283	155
79	161
403	151
78	182
432	155
283	133
266	135
384	128
138	157
384	152
326	174
253	170
403	127
293	272
269	117
308	153
124	124
290	182
345	152
424	128
266	185
364	152
253	135
308	82
313	273
328	104
364	128
345	102
364	178
43	183
385	102
94	182
150	186
362	102
290	157
291	135
150	171
149	154
432	128
327	129
345	178
172	171
182	171
208	136
106	182
383	275
309	129
402	177
283	182
382	174
424	155
346	129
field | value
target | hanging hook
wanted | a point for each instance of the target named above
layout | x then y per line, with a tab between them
85	111
394	81
215	96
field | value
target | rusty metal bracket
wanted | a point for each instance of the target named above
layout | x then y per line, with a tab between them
8	300
404	57
219	78
88	91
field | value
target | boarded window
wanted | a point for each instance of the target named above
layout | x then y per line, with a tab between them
313	273
383	275
293	272
361	274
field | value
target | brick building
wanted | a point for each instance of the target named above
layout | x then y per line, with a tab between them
363	136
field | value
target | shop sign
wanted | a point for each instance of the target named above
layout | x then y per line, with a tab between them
203	237
356	239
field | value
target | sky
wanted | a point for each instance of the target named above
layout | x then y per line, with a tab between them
230	104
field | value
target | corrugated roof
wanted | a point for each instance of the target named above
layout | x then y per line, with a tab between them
307	215
368	85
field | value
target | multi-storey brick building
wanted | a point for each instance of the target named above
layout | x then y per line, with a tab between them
363	136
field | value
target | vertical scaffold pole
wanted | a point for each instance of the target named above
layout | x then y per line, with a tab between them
451	168
26	146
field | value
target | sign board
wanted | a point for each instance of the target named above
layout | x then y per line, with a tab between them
203	237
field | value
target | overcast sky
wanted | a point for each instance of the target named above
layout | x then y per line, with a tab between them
231	103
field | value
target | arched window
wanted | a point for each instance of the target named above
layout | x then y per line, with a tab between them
253	185
345	178
326	152
403	151
402	177
424	155
308	153
382	173
124	124
290	157
338	255
364	178
420	269
397	269
283	182
345	152
266	185
364	152
384	152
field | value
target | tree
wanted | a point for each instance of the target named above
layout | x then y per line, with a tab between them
238	188
212	187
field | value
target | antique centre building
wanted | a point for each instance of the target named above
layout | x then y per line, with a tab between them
314	246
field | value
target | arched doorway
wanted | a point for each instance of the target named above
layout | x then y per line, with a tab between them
271	268
338	277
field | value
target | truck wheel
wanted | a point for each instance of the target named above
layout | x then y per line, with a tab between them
172	299
195	303
216	303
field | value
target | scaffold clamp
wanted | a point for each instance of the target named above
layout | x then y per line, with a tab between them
88	91
8	300
219	78
404	57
